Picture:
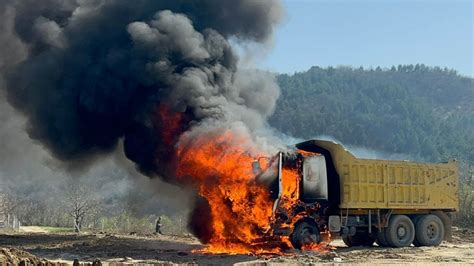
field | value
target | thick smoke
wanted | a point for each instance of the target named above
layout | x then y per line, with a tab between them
29	174
89	73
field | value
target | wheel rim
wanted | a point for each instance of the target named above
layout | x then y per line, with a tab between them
431	231
401	232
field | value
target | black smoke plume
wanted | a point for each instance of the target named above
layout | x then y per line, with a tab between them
87	73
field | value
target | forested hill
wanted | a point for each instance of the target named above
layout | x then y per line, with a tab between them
424	112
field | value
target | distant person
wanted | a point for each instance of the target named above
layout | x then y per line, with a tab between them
158	226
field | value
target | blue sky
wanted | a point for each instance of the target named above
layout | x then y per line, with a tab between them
374	33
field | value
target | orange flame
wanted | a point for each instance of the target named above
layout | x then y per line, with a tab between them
240	210
220	168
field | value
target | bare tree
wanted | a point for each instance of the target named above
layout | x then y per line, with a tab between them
3	209
80	204
6	203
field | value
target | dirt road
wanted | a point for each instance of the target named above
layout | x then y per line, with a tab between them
32	229
179	250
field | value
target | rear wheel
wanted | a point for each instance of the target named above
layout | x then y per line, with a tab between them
359	239
400	231
305	232
415	221
447	224
429	230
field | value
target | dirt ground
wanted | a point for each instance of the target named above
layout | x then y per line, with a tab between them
36	247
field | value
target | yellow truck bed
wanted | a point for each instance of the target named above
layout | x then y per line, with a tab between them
384	184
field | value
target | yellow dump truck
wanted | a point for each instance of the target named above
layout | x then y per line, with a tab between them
393	203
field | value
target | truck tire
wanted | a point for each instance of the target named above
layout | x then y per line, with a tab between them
348	240
400	231
447	222
305	232
359	239
415	220
381	240
429	230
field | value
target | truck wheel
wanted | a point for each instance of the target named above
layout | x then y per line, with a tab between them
348	240
429	230
305	232
359	239
400	231
447	223
381	240
415	221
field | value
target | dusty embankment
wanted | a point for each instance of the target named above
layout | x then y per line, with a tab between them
116	249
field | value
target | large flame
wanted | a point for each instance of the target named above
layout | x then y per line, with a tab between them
239	210
219	166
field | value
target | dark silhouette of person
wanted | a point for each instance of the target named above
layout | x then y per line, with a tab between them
158	226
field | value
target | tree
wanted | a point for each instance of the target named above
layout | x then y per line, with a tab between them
80	204
413	110
7	203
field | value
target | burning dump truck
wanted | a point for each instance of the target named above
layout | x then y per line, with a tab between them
323	189
163	79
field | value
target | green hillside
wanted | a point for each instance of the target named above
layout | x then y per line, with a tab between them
424	112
